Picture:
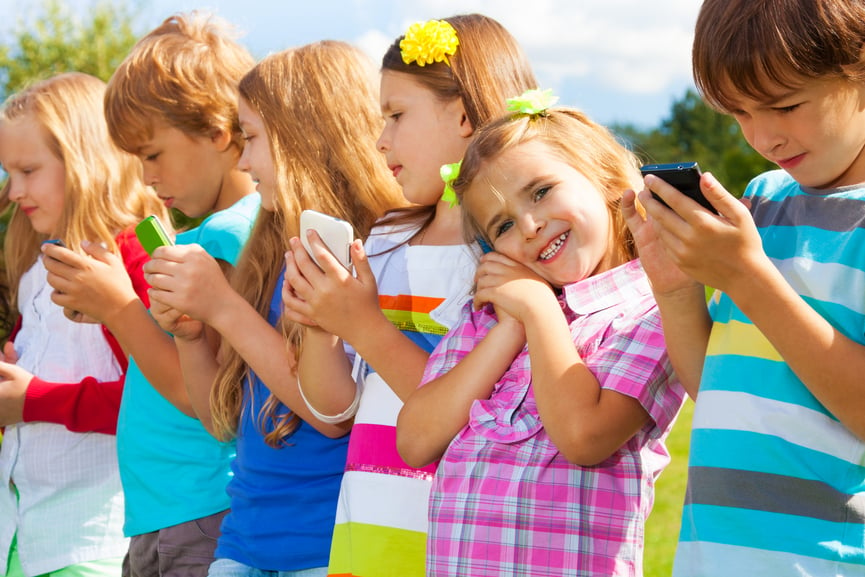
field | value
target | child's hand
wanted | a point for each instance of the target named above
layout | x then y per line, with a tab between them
89	289
291	303
187	279
173	321
13	388
512	288
715	250
330	297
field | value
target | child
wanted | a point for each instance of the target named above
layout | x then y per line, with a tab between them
309	119
411	289
776	480
61	503
549	448
172	102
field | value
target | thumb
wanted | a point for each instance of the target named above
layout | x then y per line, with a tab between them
724	202
361	264
9	352
97	250
629	209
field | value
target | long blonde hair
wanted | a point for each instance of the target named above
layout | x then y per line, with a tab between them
104	191
320	109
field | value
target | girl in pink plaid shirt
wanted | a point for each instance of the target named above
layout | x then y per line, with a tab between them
548	404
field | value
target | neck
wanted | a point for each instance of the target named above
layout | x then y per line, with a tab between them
235	186
445	229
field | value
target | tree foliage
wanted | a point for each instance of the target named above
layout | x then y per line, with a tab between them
59	41
694	131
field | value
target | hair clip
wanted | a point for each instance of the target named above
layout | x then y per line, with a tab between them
533	102
449	173
429	42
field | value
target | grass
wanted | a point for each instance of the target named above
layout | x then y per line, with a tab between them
662	527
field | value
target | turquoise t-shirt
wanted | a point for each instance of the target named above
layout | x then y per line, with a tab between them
171	468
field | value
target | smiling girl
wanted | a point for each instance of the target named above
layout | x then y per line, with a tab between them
548	404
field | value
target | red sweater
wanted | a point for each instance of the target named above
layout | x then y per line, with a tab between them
89	405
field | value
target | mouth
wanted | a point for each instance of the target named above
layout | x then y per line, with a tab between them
792	162
168	201
28	210
554	247
395	169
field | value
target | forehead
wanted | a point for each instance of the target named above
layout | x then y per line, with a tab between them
22	136
401	87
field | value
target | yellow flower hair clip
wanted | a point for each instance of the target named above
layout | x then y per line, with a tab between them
449	173
533	102
428	42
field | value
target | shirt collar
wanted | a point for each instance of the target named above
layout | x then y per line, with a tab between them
608	289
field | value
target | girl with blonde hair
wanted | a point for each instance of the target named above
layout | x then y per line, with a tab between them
309	117
62	500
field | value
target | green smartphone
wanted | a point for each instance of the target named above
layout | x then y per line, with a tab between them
152	234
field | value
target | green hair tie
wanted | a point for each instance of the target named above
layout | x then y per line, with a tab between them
532	102
449	173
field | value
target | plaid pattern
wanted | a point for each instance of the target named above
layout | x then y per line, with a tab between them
504	500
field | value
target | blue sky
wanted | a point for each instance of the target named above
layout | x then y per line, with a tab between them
619	60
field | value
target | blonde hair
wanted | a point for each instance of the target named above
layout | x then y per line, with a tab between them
488	68
185	73
320	110
104	191
584	145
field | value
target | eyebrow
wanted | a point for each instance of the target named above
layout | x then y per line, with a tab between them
526	188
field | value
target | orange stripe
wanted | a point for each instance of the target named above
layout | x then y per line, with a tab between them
409	303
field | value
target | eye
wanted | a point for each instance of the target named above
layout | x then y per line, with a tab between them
787	109
503	228
540	193
395	116
150	157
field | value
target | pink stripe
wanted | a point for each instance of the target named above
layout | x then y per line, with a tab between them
372	449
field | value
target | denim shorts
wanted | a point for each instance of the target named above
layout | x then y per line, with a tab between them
229	568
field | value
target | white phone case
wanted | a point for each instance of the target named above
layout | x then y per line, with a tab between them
336	233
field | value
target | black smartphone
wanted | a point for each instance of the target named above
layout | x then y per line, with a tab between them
684	176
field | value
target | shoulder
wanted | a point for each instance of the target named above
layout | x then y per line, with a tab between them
223	233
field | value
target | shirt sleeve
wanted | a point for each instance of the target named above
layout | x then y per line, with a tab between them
90	405
455	345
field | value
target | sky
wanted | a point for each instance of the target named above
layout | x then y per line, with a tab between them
622	61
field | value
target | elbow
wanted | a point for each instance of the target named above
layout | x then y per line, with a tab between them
585	450
411	447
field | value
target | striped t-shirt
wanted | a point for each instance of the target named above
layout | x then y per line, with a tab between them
776	484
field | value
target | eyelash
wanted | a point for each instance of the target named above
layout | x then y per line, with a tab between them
537	195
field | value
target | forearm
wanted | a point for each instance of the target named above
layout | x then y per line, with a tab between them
198	366
325	373
264	349
438	411
828	363
154	352
687	326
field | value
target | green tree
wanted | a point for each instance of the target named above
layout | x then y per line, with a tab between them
694	131
58	41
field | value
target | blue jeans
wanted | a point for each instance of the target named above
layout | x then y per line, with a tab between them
229	568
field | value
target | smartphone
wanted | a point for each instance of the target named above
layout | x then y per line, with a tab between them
685	176
152	234
336	233
56	241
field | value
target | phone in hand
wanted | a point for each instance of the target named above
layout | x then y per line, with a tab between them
55	241
336	234
152	234
684	176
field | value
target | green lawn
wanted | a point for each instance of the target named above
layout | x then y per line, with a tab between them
662	527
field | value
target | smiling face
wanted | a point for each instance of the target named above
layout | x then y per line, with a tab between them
256	158
542	213
37	177
815	131
421	134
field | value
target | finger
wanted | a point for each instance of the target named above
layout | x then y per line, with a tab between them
307	266
362	268
632	216
321	253
98	251
10	353
724	202
294	274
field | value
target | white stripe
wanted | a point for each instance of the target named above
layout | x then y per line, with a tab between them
362	494
827	282
716	560
793	423
379	405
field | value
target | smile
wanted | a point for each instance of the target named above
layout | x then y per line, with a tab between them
554	247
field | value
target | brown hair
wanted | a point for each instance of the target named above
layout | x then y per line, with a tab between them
104	191
583	144
488	68
320	110
743	45
184	72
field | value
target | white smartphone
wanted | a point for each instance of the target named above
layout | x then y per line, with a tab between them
336	233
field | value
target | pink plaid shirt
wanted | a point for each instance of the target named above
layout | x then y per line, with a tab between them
504	500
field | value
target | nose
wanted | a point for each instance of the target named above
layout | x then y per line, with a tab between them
529	226
148	173
16	192
764	135
383	142
243	161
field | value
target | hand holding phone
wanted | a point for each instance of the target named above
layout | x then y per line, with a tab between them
152	234
336	234
684	176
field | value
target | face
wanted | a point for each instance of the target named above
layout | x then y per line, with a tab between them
549	218
256	158
421	134
37	177
816	132
185	171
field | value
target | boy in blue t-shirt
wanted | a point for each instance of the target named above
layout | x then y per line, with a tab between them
776	481
173	103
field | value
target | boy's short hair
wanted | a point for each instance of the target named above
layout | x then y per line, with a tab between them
184	73
743	45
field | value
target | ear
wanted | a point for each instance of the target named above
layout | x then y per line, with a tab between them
466	129
221	139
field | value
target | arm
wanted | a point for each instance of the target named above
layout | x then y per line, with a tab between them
112	291
348	307
187	279
681	300
438	411
726	252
